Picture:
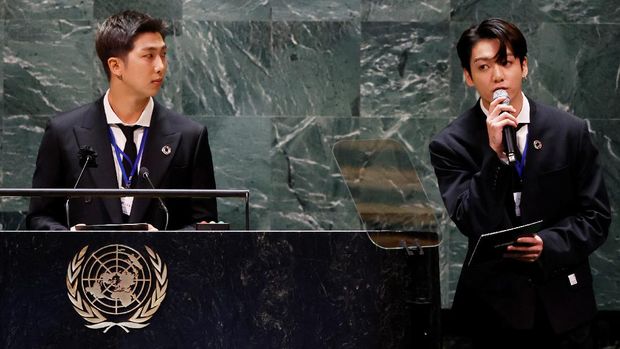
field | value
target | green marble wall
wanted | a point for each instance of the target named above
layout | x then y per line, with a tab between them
279	82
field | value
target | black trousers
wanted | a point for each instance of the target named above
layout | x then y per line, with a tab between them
578	338
541	336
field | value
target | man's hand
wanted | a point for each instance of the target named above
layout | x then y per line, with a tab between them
501	115
526	249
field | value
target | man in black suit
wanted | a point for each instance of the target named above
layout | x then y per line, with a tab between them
540	293
128	130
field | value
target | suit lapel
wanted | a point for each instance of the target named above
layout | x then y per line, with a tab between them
162	143
535	158
94	132
534	134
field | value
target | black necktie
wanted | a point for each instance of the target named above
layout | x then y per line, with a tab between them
130	147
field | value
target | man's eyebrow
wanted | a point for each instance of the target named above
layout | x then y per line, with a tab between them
483	58
153	48
487	58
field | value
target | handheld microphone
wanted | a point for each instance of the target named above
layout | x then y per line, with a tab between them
144	173
509	135
87	157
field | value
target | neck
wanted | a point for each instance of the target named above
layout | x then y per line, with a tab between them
127	107
517	103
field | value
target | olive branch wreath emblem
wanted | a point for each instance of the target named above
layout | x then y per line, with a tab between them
96	319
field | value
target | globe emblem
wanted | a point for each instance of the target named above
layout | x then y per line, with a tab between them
116	279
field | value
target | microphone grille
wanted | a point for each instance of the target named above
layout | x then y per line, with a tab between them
144	172
501	93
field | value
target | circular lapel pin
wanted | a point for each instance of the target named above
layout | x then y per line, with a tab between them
537	144
166	150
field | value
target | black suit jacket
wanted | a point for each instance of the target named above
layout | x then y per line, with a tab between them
562	185
188	166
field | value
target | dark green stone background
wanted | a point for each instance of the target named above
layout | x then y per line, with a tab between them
279	82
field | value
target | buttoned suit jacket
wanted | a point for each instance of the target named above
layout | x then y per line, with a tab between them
188	165
562	185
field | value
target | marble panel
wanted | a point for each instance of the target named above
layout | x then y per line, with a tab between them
225	68
315	68
405	69
456	244
227	10
2	150
2	112
307	187
406	10
20	144
259	68
240	149
55	9
167	9
606	259
47	66
536	11
576	68
14	220
315	10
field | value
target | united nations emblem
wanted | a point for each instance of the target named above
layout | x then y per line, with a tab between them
115	286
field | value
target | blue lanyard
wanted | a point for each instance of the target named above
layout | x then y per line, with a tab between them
520	164
120	155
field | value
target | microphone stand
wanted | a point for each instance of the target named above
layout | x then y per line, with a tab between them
145	175
88	158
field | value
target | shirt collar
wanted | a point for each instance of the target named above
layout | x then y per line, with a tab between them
524	115
113	119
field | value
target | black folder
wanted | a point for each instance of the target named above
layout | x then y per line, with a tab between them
492	246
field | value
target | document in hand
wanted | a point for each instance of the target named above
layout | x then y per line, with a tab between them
491	246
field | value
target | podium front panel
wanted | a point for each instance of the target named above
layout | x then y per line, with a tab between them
231	289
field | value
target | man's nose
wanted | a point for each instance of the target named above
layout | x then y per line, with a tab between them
498	73
160	64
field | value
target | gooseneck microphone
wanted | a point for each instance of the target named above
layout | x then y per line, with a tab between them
509	135
87	157
144	173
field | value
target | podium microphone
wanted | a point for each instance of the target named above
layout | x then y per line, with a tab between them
144	173
87	157
509	135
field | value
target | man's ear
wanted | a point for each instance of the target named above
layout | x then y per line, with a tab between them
115	65
524	68
468	80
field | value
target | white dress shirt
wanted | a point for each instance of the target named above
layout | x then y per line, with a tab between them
112	120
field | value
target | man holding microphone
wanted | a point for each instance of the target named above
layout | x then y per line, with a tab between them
539	294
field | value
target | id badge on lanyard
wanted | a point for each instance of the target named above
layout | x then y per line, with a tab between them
519	166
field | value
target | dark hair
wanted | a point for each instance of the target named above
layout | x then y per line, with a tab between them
508	34
115	36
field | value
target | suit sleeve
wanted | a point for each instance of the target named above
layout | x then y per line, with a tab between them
570	240
203	178
47	213
474	195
